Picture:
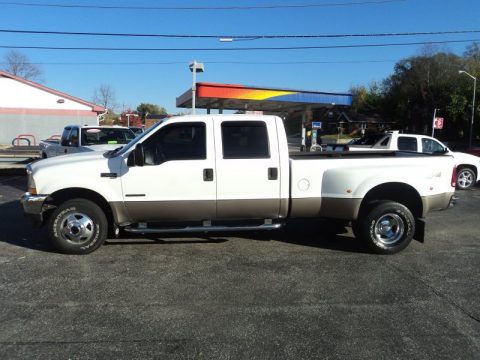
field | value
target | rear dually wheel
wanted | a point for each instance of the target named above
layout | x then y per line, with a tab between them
387	227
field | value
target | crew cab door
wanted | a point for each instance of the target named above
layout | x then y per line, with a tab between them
177	181
248	173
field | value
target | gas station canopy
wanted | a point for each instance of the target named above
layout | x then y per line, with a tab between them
240	97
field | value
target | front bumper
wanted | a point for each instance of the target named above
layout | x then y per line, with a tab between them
33	207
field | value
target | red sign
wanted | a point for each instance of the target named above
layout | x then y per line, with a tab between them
438	123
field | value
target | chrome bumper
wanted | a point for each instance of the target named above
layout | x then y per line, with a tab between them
33	207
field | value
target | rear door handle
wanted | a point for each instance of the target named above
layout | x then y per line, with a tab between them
272	173
207	174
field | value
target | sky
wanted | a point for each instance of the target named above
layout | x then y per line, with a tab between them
160	76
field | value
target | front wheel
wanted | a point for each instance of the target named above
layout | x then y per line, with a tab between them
465	178
387	227
78	226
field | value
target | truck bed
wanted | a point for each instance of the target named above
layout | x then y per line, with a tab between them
356	154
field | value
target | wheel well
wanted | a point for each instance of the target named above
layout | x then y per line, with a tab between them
63	195
398	192
471	167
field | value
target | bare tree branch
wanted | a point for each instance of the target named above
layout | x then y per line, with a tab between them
18	64
104	95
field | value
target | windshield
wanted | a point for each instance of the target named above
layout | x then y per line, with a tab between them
368	139
106	135
139	137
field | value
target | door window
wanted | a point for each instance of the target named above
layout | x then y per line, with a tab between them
185	141
406	143
432	147
66	136
245	140
73	137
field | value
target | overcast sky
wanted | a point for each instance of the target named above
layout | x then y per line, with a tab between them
160	76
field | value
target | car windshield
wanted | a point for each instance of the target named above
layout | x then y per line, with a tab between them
106	135
368	139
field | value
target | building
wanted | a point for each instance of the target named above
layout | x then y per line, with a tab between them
32	111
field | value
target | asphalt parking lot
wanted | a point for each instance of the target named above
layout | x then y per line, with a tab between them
311	291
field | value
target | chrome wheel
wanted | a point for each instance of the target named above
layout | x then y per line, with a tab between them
389	229
465	178
77	228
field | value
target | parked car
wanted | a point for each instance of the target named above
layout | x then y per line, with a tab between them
468	165
76	138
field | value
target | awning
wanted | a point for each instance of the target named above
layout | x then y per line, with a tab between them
240	97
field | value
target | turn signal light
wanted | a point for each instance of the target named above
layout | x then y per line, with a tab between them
32	191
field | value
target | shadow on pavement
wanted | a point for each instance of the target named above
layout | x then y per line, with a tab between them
318	233
17	182
16	230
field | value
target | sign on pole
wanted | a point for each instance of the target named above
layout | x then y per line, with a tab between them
438	123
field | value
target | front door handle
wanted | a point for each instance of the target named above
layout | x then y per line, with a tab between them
272	173
207	174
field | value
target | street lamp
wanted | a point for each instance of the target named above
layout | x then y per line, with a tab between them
433	122
473	104
194	68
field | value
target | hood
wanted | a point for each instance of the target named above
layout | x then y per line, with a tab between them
71	160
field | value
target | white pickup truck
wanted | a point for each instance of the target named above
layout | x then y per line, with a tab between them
467	165
76	138
231	173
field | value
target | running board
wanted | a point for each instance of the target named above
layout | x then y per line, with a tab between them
196	229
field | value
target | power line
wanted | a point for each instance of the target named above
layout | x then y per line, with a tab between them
203	8
253	37
237	48
215	62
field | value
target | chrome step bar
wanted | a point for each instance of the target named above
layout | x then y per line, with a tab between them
196	229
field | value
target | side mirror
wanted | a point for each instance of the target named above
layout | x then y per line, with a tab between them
65	143
139	155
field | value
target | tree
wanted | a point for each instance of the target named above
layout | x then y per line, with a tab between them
367	100
104	95
420	84
19	65
145	108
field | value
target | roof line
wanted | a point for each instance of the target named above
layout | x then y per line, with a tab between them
95	108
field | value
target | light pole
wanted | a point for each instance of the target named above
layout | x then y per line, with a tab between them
473	105
433	122
194	68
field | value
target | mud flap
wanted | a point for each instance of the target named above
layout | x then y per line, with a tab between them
419	230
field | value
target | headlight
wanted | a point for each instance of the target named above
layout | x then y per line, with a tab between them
32	188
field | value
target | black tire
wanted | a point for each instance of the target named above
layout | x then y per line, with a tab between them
465	178
44	155
387	227
78	226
